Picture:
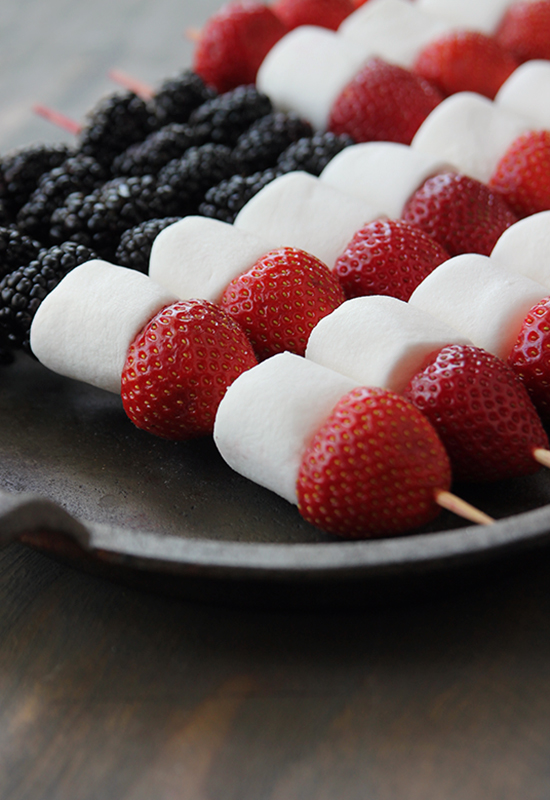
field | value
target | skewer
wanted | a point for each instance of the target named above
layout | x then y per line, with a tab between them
140	88
461	508
542	456
192	34
57	118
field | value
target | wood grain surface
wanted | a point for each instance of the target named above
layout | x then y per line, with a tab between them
109	693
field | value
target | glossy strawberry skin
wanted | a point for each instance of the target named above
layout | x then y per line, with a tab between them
522	175
482	413
462	214
280	299
383	102
530	357
179	367
323	13
389	257
525	29
373	468
234	42
465	61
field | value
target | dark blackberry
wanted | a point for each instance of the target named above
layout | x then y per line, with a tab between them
79	173
183	182
259	147
135	244
160	147
313	154
225	200
119	121
99	219
178	97
22	290
20	172
16	249
223	119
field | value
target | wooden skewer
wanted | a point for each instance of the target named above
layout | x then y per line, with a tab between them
140	88
62	121
461	508
192	34
542	456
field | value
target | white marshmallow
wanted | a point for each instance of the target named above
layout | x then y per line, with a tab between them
307	70
527	92
525	248
480	299
299	210
84	327
395	30
379	341
385	174
269	415
471	132
476	15
198	257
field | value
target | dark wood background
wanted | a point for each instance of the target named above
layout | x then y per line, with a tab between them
112	693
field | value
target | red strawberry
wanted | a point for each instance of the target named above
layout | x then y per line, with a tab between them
280	300
179	367
530	356
525	29
465	61
324	13
522	175
482	413
234	42
388	257
462	214
373	468
383	102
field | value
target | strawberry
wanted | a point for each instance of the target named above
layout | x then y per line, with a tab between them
530	356
482	413
525	29
373	468
324	13
280	299
465	61
383	102
522	176
234	42
387	257
462	214
179	367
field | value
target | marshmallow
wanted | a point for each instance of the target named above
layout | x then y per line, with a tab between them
476	15
480	299
84	327
307	70
299	210
379	341
198	257
395	30
527	92
471	132
525	248
385	174
268	416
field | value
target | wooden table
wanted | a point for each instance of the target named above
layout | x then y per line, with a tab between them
109	692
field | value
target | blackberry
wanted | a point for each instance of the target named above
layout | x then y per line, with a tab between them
225	117
225	200
178	97
16	249
313	154
259	147
135	244
79	173
160	147
22	290
183	182
119	121
99	219
20	172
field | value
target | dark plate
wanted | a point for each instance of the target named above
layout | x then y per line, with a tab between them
174	517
